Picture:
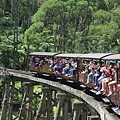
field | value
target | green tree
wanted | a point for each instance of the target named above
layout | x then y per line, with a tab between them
61	20
102	32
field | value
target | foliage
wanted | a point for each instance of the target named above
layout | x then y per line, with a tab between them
80	26
77	25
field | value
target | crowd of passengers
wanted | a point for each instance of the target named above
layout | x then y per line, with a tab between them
42	61
65	66
103	76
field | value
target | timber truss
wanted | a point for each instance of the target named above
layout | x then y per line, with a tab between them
47	104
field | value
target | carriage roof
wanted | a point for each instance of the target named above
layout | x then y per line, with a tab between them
112	57
68	55
94	55
43	54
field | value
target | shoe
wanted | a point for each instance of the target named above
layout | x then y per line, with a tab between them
98	93
111	93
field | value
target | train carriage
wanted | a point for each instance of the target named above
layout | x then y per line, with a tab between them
91	58
42	62
114	85
70	59
116	59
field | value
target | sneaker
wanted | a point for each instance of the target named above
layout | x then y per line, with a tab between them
98	93
111	93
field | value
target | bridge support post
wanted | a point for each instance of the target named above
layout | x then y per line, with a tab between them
10	101
30	107
7	100
45	108
62	104
84	112
79	108
49	103
26	113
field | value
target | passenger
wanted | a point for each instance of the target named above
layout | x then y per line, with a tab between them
86	66
84	73
65	70
45	61
103	75
58	67
109	73
112	86
50	62
33	59
72	69
37	62
40	63
69	68
61	65
92	72
55	68
96	76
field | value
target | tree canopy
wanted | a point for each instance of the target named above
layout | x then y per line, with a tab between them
74	26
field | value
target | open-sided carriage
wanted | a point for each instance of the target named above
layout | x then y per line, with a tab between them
42	62
71	65
114	85
86	60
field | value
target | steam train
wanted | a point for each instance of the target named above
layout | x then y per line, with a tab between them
100	72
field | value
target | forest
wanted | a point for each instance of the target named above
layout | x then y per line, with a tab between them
66	26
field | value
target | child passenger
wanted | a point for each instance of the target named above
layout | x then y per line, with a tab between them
109	77
112	85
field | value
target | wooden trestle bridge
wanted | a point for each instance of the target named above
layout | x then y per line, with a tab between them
53	94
